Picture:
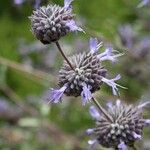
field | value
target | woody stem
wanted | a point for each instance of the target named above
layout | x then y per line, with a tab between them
102	109
64	56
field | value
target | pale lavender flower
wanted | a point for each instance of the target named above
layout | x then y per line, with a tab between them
144	3
94	45
19	2
37	4
109	55
92	143
147	122
94	113
86	94
55	96
52	22
89	131
122	146
121	129
127	35
112	84
67	3
73	26
137	136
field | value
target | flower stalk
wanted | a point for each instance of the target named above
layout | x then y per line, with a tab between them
64	56
101	109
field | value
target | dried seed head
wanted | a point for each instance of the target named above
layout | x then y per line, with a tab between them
125	127
52	22
88	71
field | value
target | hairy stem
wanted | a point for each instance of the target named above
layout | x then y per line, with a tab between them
102	109
62	53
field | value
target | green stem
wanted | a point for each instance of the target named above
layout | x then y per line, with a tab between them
62	53
102	109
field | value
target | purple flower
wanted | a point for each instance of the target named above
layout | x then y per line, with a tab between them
50	23
144	3
55	96
94	45
109	55
19	2
92	143
37	4
111	82
147	122
137	136
94	113
73	27
67	3
89	131
127	36
122	146
123	129
86	95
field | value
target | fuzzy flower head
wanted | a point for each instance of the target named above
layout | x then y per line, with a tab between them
52	22
88	73
122	129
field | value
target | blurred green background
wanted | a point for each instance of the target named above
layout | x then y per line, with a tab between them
28	69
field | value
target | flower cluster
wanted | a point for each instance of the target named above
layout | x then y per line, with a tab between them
122	129
87	74
120	125
52	22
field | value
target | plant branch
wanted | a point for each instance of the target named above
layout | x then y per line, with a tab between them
64	56
102	109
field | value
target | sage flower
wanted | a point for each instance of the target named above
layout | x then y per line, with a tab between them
88	74
123	128
50	23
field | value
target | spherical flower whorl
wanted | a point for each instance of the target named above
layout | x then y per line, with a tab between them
122	129
88	71
84	74
52	22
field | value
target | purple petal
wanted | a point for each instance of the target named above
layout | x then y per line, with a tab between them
92	143
94	113
111	83
19	2
137	136
94	45
147	122
73	27
37	4
122	146
86	94
109	55
54	96
89	131
67	3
